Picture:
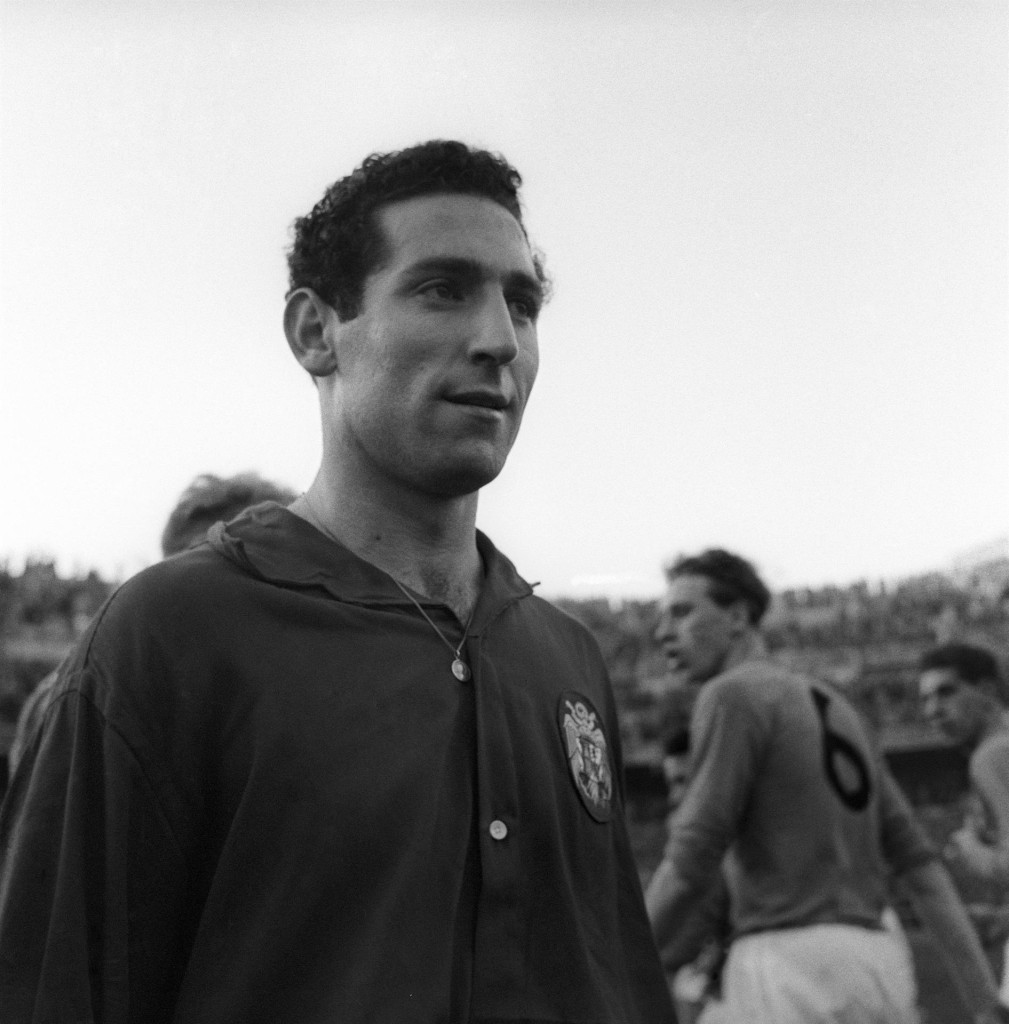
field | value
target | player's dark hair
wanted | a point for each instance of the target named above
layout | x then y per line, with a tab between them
209	499
340	242
730	579
971	663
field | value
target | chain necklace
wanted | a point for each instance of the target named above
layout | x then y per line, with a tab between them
459	667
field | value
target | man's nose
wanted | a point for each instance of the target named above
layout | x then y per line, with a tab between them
494	337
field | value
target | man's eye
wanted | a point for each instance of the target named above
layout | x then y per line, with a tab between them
525	309
443	290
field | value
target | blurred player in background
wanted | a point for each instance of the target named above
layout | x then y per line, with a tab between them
963	692
785	781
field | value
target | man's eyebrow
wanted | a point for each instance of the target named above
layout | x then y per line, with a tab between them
474	271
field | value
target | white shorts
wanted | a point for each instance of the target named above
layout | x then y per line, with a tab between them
821	974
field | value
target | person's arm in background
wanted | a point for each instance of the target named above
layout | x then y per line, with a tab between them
937	904
984	856
709	920
933	896
727	740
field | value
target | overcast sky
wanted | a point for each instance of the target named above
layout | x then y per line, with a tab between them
778	232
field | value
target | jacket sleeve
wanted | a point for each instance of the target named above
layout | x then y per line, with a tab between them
90	920
728	736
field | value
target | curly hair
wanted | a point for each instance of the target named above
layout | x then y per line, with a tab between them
211	498
340	243
730	579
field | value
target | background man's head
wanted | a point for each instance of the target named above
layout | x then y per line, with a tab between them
210	499
341	242
961	687
207	500
713	600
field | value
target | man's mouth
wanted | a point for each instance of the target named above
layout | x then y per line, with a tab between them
493	400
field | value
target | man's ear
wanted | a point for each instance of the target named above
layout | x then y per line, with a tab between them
740	615
990	688
308	323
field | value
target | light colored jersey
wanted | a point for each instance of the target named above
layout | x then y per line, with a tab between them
989	817
989	776
785	778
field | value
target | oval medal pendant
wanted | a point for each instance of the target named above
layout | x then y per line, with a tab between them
460	670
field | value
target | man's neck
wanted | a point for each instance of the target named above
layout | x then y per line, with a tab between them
997	721
429	546
748	646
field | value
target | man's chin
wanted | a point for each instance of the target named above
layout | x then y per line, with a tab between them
463	479
682	675
955	736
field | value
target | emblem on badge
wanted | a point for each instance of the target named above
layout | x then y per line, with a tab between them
588	757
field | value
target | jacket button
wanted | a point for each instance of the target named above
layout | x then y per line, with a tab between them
498	829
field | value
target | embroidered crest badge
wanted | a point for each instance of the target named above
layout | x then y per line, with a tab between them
587	753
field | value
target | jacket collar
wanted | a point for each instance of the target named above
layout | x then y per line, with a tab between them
280	547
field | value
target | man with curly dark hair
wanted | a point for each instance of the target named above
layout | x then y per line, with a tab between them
340	242
340	763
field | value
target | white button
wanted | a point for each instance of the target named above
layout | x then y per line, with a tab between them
498	829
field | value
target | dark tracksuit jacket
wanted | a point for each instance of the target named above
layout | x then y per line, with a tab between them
259	794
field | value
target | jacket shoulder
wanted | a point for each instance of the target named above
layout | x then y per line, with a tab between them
177	583
559	621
